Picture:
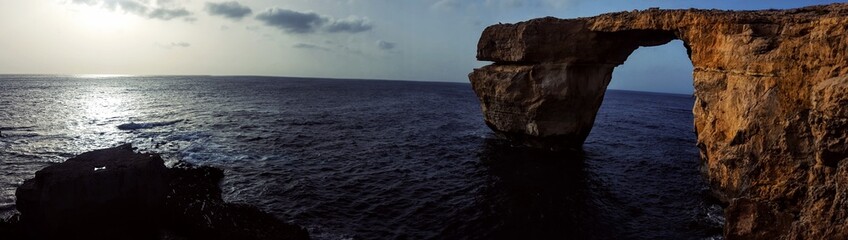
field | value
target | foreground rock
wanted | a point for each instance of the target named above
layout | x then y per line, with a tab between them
116	193
100	193
195	208
771	92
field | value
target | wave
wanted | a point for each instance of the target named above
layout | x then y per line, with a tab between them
16	128
7	210
136	126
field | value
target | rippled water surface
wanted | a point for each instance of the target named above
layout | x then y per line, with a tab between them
354	159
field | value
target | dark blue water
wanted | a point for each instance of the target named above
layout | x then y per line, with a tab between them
353	159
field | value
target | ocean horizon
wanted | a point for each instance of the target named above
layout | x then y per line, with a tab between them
367	159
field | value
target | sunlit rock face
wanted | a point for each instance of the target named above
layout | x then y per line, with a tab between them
771	91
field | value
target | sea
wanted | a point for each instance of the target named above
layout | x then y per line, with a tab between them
376	159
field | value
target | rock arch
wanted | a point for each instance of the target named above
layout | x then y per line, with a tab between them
771	109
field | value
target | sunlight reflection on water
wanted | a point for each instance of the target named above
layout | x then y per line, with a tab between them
373	159
89	76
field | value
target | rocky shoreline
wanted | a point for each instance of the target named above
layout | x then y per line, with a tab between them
117	193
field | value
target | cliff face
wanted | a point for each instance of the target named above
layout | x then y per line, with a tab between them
771	109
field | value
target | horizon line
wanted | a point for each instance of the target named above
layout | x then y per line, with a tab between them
113	75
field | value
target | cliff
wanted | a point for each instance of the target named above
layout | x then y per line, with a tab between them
771	109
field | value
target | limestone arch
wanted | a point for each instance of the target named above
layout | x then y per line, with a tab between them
770	101
548	95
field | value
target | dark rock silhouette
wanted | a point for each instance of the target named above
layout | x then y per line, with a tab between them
770	109
195	208
109	192
116	193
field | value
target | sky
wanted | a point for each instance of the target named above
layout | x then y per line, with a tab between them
424	40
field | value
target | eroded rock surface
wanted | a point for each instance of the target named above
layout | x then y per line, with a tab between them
771	92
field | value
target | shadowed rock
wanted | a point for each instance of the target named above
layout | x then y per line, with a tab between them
195	208
116	193
770	108
109	192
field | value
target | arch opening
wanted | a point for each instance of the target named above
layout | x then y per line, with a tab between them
643	137
663	68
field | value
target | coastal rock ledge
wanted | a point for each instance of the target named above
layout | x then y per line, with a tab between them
117	193
771	101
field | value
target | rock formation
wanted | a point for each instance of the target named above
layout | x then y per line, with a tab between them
771	109
116	193
194	208
98	188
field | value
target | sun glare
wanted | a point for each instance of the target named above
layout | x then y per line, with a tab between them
99	19
98	76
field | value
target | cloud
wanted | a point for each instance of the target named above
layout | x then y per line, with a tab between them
384	45
164	2
89	2
168	14
126	6
350	24
310	46
309	22
232	10
331	47
291	21
141	8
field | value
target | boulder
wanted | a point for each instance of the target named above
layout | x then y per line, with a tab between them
102	193
117	193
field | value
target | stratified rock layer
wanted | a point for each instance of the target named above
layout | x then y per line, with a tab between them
771	91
